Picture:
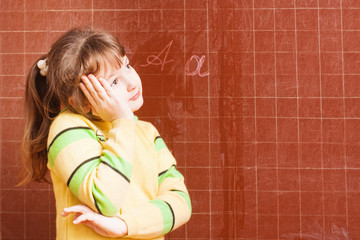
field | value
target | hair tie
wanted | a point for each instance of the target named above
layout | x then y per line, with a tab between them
41	64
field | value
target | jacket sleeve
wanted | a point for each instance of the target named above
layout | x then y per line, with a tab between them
97	173
171	208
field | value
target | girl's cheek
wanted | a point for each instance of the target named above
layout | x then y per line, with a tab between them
123	92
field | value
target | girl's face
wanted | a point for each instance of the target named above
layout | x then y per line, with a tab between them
126	82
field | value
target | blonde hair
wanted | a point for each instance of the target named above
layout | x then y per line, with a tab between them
78	52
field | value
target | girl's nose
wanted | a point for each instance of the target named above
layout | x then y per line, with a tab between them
131	84
131	88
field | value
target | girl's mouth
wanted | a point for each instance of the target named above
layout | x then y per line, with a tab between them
136	96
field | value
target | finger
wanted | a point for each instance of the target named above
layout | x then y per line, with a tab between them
95	88
87	88
106	86
86	92
77	209
98	86
93	98
85	217
64	214
76	215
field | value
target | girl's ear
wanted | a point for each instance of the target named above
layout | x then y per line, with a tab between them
86	107
71	100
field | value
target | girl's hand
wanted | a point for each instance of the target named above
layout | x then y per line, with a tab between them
104	103
105	226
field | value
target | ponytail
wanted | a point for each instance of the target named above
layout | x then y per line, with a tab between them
41	106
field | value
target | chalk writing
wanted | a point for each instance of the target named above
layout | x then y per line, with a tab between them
161	59
156	60
200	62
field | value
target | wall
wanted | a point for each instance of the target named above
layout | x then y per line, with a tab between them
258	99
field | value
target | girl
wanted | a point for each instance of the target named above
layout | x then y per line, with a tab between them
109	168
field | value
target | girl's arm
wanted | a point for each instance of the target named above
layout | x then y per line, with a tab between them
170	210
97	173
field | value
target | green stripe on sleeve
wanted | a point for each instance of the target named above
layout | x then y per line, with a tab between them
65	138
159	144
79	174
171	173
185	196
119	164
105	206
168	218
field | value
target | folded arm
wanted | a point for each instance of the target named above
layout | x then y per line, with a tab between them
98	174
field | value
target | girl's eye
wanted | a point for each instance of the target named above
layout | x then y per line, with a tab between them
114	83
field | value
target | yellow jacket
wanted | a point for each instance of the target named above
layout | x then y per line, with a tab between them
121	168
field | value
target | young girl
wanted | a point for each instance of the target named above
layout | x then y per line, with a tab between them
113	171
